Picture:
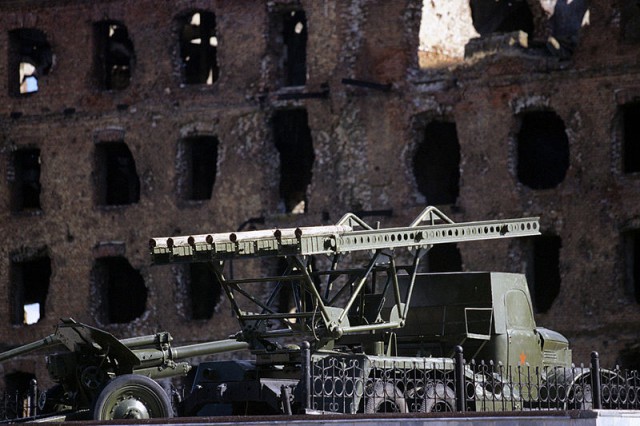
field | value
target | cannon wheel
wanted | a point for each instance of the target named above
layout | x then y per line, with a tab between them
132	396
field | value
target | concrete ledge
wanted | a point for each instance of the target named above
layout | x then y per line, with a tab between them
555	418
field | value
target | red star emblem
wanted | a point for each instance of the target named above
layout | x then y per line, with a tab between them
523	358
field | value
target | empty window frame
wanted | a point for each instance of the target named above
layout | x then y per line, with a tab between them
566	20
629	357
543	271
501	16
115	56
631	245
117	180
205	290
200	158
436	163
30	58
199	48
542	150
292	138
29	287
289	44
630	20
17	382
25	187
121	289
630	114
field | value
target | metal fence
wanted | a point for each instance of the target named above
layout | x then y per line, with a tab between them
20	405
364	384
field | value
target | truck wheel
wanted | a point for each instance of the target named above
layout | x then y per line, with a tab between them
384	397
438	398
132	396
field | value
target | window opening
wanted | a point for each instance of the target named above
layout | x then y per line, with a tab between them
543	271
629	357
29	287
198	49
443	258
118	181
631	244
501	16
543	150
201	158
205	291
293	140
115	55
26	186
122	289
436	163
566	19
288	44
630	20
631	137
18	382
294	34
31	58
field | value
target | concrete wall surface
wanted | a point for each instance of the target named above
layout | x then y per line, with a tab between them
570	418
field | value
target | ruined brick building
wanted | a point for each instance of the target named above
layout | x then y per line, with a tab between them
121	121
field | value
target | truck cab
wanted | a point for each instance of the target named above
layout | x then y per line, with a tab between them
489	314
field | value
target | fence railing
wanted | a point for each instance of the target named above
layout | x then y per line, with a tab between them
370	384
20	405
367	384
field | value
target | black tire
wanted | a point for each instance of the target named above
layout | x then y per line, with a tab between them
132	396
438	398
384	397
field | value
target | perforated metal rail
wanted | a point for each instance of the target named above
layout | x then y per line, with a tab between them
340	238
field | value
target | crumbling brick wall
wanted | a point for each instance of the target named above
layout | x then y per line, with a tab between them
368	102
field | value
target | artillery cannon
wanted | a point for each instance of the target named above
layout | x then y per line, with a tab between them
115	378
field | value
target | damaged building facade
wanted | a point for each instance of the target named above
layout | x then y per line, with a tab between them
122	121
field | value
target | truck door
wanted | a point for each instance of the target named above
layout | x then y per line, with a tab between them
523	347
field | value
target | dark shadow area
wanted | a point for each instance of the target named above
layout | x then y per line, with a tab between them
631	247
543	271
436	164
122	289
443	258
501	16
292	138
26	187
631	137
117	180
630	20
201	158
543	150
115	56
18	382
205	291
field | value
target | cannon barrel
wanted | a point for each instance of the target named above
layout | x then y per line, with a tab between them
208	348
158	357
50	340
